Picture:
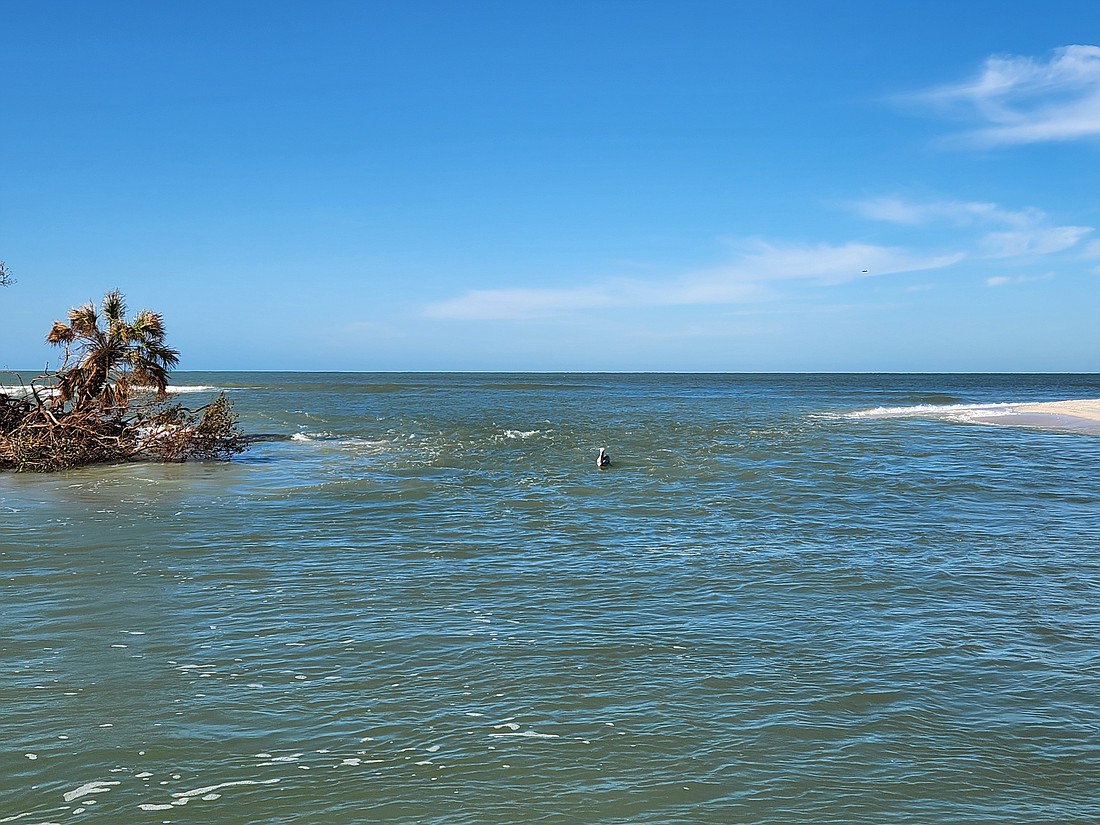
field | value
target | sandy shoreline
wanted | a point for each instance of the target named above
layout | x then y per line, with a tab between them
1075	416
1088	409
1078	415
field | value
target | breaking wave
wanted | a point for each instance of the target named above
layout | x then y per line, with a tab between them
949	412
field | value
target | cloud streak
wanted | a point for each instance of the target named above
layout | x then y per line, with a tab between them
761	270
894	209
1007	233
1005	280
516	304
750	277
1020	100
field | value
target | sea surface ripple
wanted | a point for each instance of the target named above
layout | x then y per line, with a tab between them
424	603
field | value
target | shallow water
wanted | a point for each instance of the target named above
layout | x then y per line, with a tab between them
430	606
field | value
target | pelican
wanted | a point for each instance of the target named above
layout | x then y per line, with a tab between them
603	460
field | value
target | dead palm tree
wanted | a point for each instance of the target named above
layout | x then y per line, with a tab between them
102	364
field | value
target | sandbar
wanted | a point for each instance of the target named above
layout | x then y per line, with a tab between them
1081	415
1088	408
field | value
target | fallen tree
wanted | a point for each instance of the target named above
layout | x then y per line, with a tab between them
36	437
108	401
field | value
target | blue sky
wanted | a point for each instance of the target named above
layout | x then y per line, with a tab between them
695	186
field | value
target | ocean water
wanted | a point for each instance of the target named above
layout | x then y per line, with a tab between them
791	599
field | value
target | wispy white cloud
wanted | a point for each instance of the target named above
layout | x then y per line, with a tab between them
895	209
1020	100
496	304
759	270
1003	233
1037	241
1005	280
526	303
750	277
828	263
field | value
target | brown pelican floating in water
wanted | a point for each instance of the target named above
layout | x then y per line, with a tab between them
603	460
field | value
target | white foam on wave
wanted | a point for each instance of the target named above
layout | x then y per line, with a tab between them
211	788
175	389
520	434
99	786
186	388
20	390
331	440
205	794
527	734
1048	416
948	412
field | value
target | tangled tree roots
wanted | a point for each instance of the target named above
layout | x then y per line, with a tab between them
180	434
37	438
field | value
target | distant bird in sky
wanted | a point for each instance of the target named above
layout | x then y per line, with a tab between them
603	460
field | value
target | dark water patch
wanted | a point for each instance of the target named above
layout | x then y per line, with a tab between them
931	398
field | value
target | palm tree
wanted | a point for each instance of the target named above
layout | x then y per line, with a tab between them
103	364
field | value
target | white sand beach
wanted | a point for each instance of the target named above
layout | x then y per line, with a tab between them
1088	409
1076	416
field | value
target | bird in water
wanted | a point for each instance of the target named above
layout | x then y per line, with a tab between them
603	460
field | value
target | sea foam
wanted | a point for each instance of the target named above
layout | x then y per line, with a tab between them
187	388
950	412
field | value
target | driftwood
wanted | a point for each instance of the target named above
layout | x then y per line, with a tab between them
40	434
107	401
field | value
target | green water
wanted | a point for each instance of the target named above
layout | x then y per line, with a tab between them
430	606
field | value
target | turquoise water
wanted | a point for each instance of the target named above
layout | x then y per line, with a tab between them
792	599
